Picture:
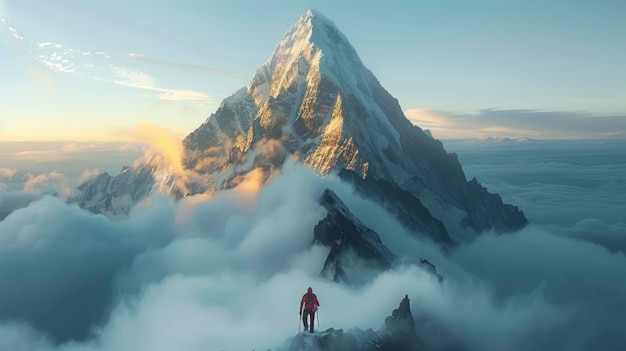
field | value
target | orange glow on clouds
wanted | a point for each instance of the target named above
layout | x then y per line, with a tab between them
54	180
427	118
160	141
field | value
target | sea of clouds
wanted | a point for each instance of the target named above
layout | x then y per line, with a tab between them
227	272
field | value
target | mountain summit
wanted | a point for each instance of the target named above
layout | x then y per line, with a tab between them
315	100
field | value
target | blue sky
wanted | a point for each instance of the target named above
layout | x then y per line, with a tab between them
91	70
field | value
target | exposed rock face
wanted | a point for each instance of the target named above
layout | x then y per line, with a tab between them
408	209
400	328
355	248
356	251
430	268
315	100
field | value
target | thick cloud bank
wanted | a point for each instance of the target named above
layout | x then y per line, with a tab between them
227	273
573	188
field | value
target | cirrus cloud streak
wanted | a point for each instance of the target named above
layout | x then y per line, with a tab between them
519	123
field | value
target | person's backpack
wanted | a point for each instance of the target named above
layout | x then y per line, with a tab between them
309	301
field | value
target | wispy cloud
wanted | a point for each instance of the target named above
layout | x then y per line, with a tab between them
103	54
48	43
184	66
50	153
135	79
38	155
57	62
88	174
6	27
132	78
74	146
101	66
519	123
428	118
7	173
52	183
15	34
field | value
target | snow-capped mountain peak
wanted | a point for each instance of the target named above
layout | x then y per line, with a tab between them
313	73
315	39
311	49
314	99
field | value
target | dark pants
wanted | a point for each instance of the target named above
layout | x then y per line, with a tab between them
305	319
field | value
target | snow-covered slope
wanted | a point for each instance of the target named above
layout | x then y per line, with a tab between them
114	196
314	99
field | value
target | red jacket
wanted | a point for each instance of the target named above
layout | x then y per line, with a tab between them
309	300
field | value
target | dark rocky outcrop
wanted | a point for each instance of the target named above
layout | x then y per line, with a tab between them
430	268
348	239
407	208
397	333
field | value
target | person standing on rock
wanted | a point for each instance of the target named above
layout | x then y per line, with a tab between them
310	304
